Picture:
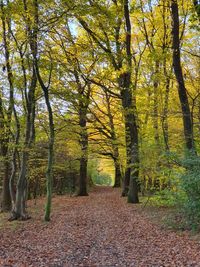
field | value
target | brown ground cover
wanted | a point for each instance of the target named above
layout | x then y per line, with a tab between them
99	230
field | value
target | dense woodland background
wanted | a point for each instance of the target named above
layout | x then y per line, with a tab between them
99	92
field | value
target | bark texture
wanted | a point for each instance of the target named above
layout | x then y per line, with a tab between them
130	115
84	95
6	115
186	114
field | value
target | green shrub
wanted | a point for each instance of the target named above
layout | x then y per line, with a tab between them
169	198
190	183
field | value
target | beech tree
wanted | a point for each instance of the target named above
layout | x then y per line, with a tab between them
186	113
6	113
124	83
18	210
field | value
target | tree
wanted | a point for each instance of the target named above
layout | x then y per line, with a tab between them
49	171
45	89
19	211
77	73
186	113
106	122
6	114
124	82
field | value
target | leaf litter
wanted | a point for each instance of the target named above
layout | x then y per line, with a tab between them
99	230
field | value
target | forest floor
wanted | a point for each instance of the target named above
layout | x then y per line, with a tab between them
99	230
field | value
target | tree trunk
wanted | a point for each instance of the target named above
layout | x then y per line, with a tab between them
84	97
19	211
126	180
7	117
165	108
130	116
118	176
14	160
186	114
117	181
49	171
6	199
155	107
82	190
133	188
131	175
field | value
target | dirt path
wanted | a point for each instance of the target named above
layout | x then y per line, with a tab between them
99	230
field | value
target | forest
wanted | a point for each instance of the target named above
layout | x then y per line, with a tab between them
98	99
